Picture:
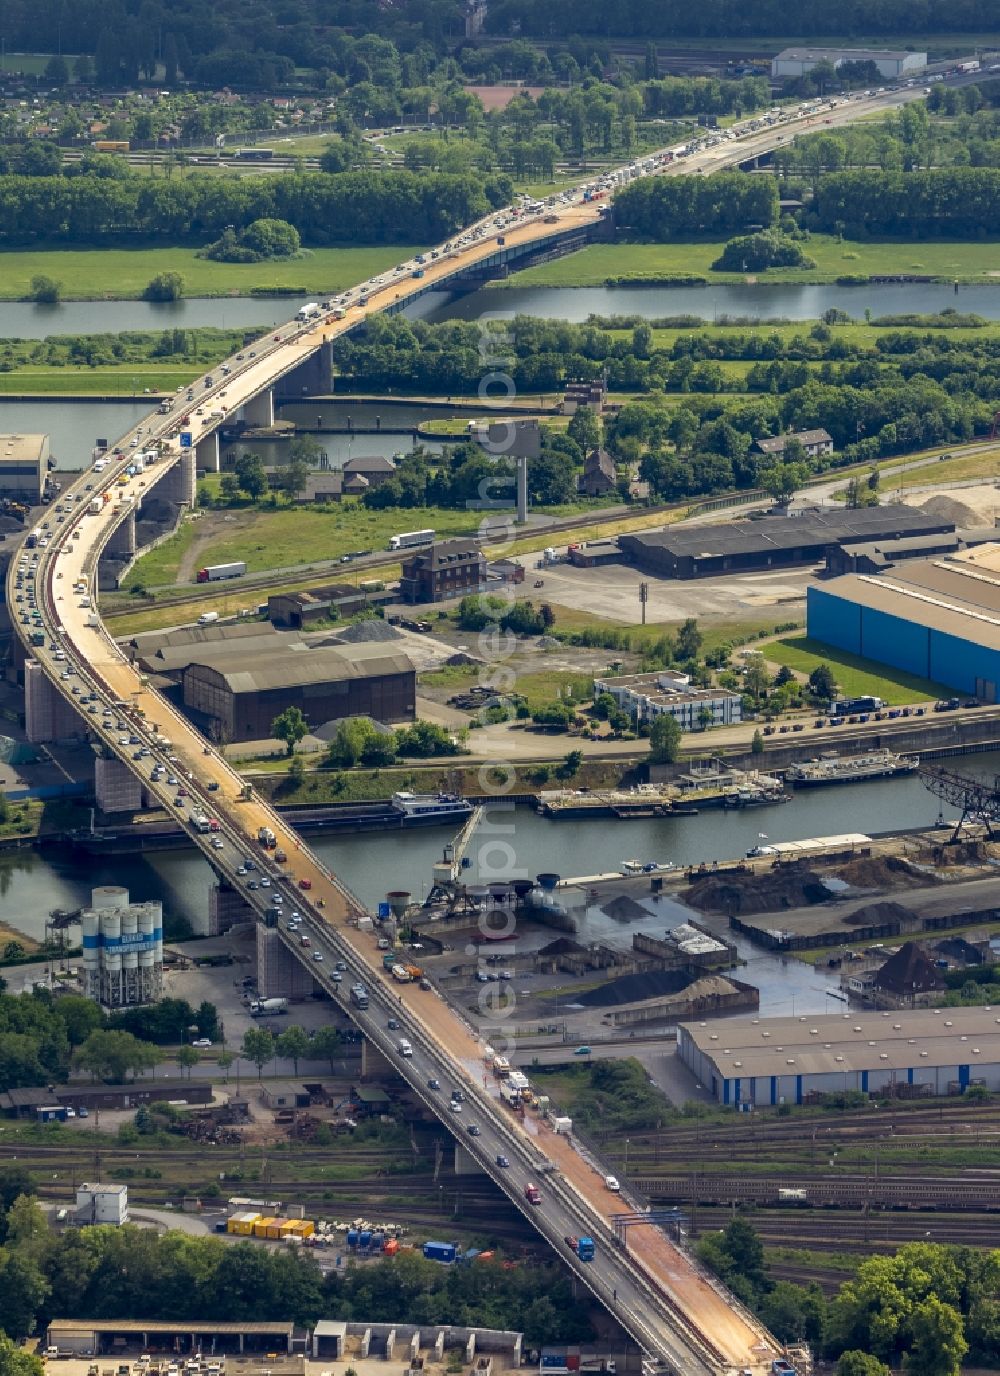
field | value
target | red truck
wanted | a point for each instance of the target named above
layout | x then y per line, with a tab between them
532	1194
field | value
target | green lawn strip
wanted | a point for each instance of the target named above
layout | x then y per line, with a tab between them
856	677
117	273
833	257
126	382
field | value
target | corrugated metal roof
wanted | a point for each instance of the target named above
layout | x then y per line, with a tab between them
817	527
839	1044
327	665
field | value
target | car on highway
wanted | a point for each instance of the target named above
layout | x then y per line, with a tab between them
455	1106
582	1051
473	1130
613	1184
202	1042
433	1083
317	955
502	1161
393	1024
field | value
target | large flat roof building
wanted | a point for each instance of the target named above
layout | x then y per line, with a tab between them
935	618
236	697
769	1061
795	62
773	542
24	466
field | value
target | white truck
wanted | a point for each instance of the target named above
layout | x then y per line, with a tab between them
208	618
308	311
268	1008
96	504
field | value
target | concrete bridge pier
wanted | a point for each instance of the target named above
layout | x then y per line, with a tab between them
116	788
47	714
207	454
177	483
375	1066
313	376
259	410
122	542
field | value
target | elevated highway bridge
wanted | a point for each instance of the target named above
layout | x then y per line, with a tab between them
682	1319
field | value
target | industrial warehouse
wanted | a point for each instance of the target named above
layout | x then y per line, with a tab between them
232	681
935	618
772	542
768	1061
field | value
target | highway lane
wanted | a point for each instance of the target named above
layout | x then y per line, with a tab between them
676	1312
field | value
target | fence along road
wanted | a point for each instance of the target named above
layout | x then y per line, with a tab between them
682	1318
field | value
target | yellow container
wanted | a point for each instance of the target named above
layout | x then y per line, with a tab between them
306	1227
242	1224
288	1228
260	1228
274	1227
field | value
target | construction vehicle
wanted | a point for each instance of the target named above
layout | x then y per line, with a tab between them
266	838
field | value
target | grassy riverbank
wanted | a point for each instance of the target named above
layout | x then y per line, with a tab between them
122	273
856	677
595	265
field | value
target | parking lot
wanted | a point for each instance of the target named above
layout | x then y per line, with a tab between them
612	591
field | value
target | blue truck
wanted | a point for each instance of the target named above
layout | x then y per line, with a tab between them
582	1246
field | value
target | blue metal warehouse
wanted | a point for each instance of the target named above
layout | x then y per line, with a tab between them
764	1061
936	618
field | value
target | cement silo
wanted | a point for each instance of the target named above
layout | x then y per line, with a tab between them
123	948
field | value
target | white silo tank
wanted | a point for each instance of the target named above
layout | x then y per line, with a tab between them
147	952
107	896
130	930
91	955
111	928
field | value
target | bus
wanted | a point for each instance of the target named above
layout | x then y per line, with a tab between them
410	538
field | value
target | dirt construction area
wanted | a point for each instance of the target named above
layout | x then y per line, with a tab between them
612	591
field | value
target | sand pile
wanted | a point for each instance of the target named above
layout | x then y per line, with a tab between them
883	872
880	915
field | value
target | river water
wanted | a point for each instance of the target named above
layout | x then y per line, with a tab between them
511	843
761	301
25	320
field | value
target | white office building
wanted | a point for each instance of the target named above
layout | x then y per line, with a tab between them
648	696
122	949
101	1204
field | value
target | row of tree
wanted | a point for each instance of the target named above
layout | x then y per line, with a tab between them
42	1038
674	207
131	1273
929	1305
353	207
948	202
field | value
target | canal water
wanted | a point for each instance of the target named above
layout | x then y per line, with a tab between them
510	844
761	301
26	320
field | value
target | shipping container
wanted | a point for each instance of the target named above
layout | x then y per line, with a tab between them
243	1224
391	1247
212	573
440	1251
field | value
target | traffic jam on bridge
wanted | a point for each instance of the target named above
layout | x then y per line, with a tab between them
682	1320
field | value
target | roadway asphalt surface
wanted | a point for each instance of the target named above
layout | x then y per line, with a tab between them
676	1313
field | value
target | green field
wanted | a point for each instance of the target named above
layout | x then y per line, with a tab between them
856	677
292	536
113	273
834	258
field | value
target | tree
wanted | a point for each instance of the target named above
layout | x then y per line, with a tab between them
293	1045
165	286
292	478
756	680
251	476
854	1362
83	69
822	683
187	1058
326	1044
425	739
56	70
110	1055
937	1339
23	1291
80	1016
757	744
664	739
585	428
17	1361
258	1047
224	1060
552	716
688	642
706	717
784	480
571	764
290	726
45	290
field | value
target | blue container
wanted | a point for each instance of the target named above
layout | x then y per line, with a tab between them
440	1251
352	1237
365	1238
